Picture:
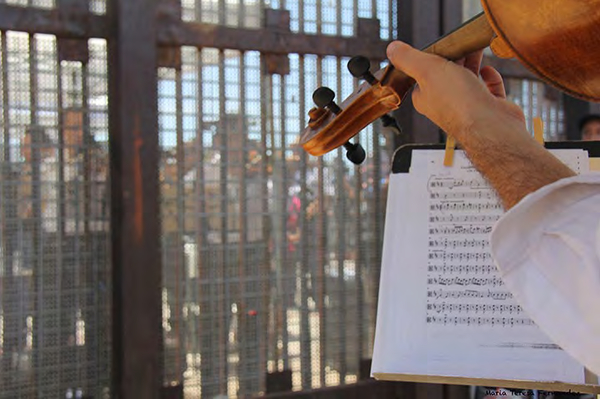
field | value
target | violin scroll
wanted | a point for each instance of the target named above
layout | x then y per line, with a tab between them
323	97
331	125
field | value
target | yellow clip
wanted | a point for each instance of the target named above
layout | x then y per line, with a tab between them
449	152
538	130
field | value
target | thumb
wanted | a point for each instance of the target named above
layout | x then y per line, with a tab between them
411	61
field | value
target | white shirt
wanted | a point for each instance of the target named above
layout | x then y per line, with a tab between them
547	249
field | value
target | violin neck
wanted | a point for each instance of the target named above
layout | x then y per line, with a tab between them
473	35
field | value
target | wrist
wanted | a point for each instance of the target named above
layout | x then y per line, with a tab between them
511	160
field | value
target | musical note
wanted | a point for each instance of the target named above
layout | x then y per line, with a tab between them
462	269
464	218
480	321
475	308
460	256
465	207
457	280
470	293
452	183
481	194
465	243
460	229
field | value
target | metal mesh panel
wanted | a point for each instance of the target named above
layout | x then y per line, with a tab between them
309	16
271	256
246	13
54	261
539	100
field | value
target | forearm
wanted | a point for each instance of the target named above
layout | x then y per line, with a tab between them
512	161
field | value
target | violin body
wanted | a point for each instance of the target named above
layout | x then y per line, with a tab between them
559	40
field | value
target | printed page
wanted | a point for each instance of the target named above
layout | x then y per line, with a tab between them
443	308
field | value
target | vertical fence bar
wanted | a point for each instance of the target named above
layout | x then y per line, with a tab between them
391	18
207	371
202	338
244	316
360	269
36	200
74	273
198	14
306	240
321	245
133	115
268	353
301	27
90	312
241	14
61	210
180	260
359	266
221	12
319	17
223	265
275	233
9	226
287	261
342	217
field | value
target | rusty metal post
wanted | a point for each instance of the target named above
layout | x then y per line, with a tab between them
321	249
306	238
204	330
341	255
137	334
419	23
8	223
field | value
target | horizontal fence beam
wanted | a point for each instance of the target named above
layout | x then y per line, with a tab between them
373	389
73	23
268	41
173	33
63	23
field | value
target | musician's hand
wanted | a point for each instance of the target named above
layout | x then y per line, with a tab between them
451	96
475	111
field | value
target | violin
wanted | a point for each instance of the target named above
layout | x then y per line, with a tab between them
558	40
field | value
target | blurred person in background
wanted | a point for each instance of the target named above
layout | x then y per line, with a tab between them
589	127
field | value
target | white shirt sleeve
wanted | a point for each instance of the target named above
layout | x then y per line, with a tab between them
547	249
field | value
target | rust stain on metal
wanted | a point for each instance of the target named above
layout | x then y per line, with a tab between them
138	216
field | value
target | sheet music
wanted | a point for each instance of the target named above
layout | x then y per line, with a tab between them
441	296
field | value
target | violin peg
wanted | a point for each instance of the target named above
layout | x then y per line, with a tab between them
355	153
360	67
323	98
